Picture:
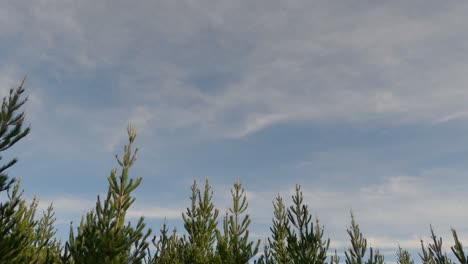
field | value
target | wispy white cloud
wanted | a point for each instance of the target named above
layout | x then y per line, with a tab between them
287	63
452	116
257	122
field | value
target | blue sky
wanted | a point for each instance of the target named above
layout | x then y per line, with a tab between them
362	103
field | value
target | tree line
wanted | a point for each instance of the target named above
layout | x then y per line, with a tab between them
106	236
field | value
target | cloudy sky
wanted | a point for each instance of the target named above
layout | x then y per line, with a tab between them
363	103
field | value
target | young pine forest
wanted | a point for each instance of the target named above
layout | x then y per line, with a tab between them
106	236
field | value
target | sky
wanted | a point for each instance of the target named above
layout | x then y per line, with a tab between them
362	103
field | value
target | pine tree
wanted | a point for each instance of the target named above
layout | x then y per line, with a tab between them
167	248
426	256
279	233
305	243
358	244
355	254
200	222
103	237
457	249
11	129
266	257
335	259
404	257
14	214
376	258
234	246
48	248
434	253
18	231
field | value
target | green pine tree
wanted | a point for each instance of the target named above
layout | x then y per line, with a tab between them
167	248
200	222
18	232
305	243
103	237
434	253
335	259
457	249
358	244
48	248
11	129
355	254
266	257
14	214
233	245
279	233
404	257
